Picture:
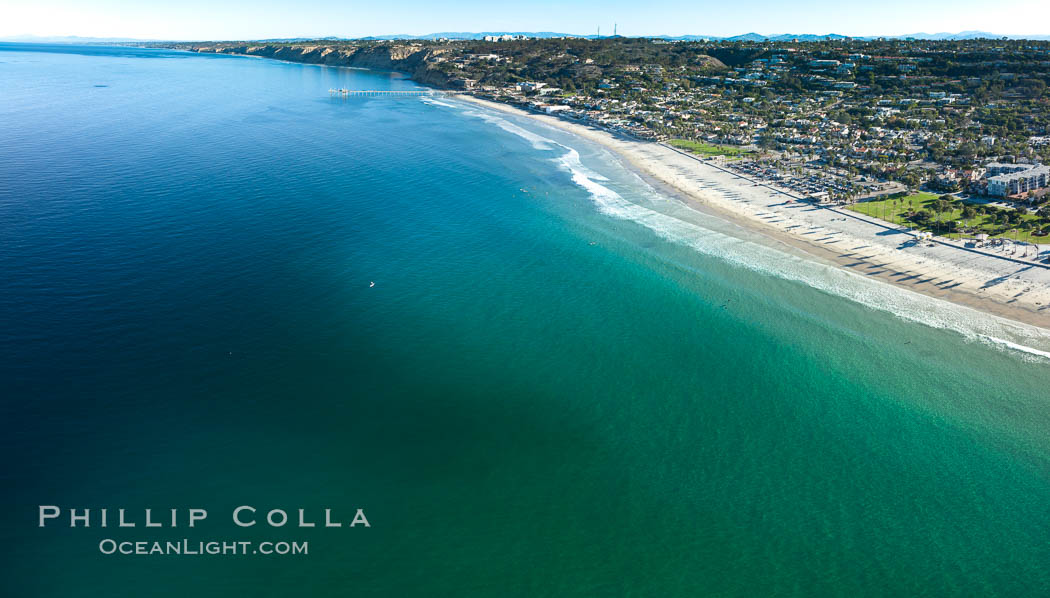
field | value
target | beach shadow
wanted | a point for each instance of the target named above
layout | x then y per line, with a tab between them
996	281
889	233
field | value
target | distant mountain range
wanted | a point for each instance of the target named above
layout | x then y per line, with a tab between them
463	35
748	37
970	35
472	35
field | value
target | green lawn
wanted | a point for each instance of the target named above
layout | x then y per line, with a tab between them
897	210
709	149
894	211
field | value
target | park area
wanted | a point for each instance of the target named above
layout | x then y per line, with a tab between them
709	150
947	216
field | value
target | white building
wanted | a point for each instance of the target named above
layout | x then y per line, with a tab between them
997	168
531	86
1016	182
504	38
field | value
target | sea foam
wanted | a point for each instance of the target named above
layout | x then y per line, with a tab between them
903	303
1030	341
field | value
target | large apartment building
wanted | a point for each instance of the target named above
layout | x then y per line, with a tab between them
1014	179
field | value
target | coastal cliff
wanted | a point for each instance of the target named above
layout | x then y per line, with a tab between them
409	59
585	66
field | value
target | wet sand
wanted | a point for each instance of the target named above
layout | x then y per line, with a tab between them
1012	290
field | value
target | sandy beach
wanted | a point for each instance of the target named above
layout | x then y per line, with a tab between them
1017	291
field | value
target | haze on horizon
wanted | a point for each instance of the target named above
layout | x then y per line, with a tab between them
263	19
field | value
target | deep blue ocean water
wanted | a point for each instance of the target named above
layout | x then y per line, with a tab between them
561	383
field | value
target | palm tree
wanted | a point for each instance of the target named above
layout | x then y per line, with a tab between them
1026	226
968	213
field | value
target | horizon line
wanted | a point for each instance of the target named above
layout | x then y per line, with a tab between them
395	36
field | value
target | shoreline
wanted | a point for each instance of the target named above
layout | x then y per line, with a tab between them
1014	291
991	285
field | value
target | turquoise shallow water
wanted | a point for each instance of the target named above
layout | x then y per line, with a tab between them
561	383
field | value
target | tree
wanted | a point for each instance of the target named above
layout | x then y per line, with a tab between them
1026	227
969	213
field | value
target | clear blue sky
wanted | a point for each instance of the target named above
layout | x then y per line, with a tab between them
255	19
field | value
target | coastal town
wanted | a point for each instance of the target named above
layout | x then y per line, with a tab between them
956	131
948	139
954	135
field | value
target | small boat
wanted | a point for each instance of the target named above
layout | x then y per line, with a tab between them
371	284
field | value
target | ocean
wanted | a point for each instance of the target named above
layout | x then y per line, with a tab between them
534	372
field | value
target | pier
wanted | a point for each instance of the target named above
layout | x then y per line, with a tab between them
390	92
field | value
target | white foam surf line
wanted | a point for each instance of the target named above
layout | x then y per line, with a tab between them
571	159
434	102
1017	347
538	141
902	303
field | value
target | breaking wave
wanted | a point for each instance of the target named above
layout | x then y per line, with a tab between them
538	141
435	102
903	303
906	304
